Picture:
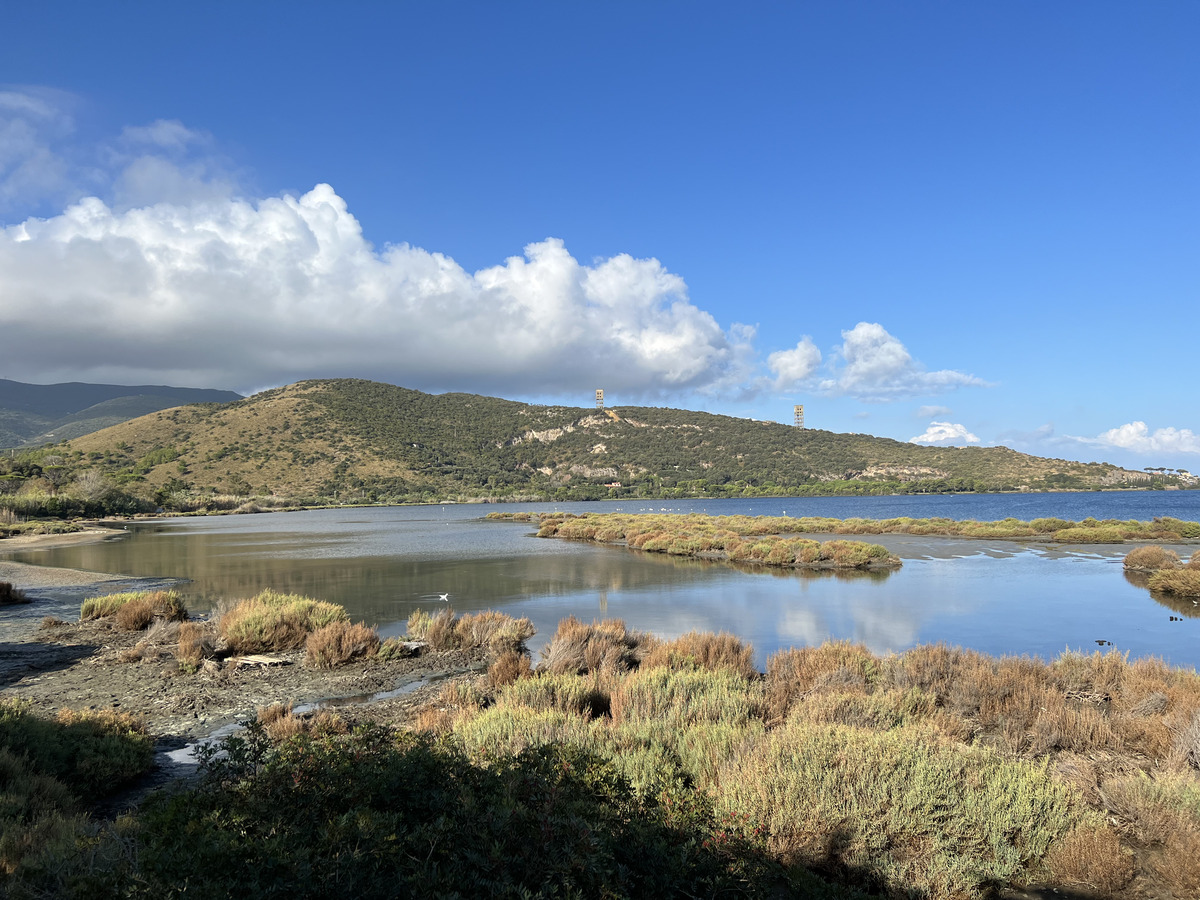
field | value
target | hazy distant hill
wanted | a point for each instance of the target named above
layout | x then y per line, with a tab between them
365	440
33	414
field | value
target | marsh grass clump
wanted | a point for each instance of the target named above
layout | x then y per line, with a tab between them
579	695
339	643
1151	558
704	650
274	621
195	644
606	646
508	667
489	629
1183	582
793	673
135	610
280	723
140	613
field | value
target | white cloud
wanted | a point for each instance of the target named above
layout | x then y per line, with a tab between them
945	434
793	367
1136	436
876	366
229	293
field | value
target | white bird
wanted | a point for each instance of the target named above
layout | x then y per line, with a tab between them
444	597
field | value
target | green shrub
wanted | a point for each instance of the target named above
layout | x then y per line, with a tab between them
372	815
901	814
89	752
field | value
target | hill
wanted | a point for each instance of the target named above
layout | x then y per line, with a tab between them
32	414
353	440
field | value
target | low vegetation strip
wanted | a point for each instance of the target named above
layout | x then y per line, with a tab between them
625	765
605	527
737	538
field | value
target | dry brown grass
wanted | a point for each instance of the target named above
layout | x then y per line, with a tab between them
507	668
280	722
1183	582
140	612
837	665
705	650
490	629
1151	558
607	646
494	630
338	643
1092	857
195	645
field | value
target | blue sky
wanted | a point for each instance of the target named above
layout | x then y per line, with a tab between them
962	223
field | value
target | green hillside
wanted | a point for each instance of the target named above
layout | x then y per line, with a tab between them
362	441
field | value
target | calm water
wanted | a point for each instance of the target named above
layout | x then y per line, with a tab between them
996	596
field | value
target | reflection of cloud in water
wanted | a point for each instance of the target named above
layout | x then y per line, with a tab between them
885	630
801	627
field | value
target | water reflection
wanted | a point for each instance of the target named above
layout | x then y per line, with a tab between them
381	564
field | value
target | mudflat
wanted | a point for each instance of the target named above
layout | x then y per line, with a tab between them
94	665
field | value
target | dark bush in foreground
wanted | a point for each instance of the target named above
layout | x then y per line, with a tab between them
379	815
10	595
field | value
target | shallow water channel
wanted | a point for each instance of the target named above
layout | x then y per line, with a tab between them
1000	597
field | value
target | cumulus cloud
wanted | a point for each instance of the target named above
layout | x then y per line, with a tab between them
945	434
875	365
229	293
792	368
1137	436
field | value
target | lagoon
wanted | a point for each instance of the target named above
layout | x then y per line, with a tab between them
381	563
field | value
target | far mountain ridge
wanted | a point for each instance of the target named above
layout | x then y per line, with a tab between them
32	414
358	440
